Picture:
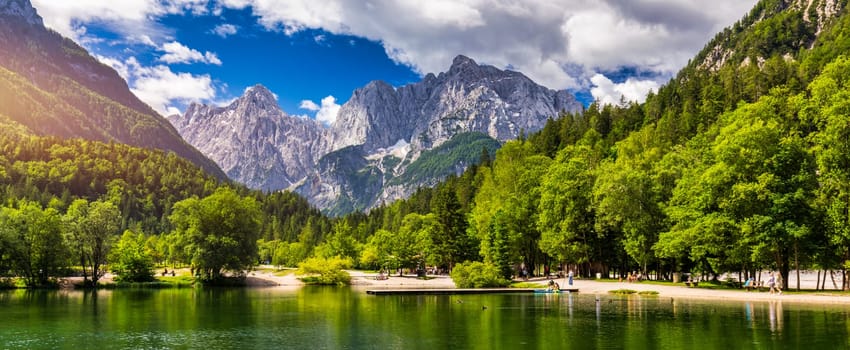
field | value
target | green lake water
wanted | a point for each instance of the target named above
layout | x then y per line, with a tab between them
344	318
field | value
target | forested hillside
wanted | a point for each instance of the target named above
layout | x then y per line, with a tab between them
54	87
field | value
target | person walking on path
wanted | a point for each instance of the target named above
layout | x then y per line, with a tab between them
771	282
778	283
570	277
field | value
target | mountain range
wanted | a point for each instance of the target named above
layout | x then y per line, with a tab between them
386	141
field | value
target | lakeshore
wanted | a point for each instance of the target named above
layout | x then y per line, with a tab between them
362	281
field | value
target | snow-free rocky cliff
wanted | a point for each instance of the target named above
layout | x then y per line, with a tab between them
360	161
254	141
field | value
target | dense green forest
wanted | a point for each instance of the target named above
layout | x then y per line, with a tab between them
740	163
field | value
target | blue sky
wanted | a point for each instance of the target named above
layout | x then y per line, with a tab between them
313	53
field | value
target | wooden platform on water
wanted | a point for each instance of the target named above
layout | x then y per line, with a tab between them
453	291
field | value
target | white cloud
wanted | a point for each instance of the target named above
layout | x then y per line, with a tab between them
160	87
225	30
309	105
131	18
608	92
537	37
326	113
176	52
560	44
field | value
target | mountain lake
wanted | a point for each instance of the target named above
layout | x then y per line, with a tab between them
348	318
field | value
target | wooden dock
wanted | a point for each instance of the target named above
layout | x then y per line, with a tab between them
454	291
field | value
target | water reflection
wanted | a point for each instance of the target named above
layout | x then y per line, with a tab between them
775	316
334	318
598	311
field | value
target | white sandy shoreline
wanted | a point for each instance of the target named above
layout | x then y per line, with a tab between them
363	281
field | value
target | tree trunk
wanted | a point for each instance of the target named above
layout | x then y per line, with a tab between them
797	264
817	283
83	264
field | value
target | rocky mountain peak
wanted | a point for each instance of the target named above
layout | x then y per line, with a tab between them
259	97
22	9
465	70
464	67
460	61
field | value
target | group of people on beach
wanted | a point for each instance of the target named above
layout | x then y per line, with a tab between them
632	277
774	283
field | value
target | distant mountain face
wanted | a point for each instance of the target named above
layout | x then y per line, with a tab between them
380	133
467	98
54	87
254	141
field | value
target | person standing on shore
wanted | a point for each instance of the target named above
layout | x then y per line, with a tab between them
771	282
778	283
570	277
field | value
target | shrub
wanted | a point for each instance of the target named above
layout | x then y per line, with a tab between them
477	275
325	271
130	260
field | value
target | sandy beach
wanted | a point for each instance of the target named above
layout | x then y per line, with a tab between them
363	281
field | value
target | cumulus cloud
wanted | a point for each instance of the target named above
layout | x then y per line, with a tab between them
607	92
560	44
176	52
131	18
309	105
160	87
326	112
538	37
225	30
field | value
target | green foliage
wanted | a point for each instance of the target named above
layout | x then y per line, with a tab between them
478	275
498	249
448	235
409	247
130	260
622	291
218	232
461	150
340	243
510	187
91	229
325	271
566	219
31	243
